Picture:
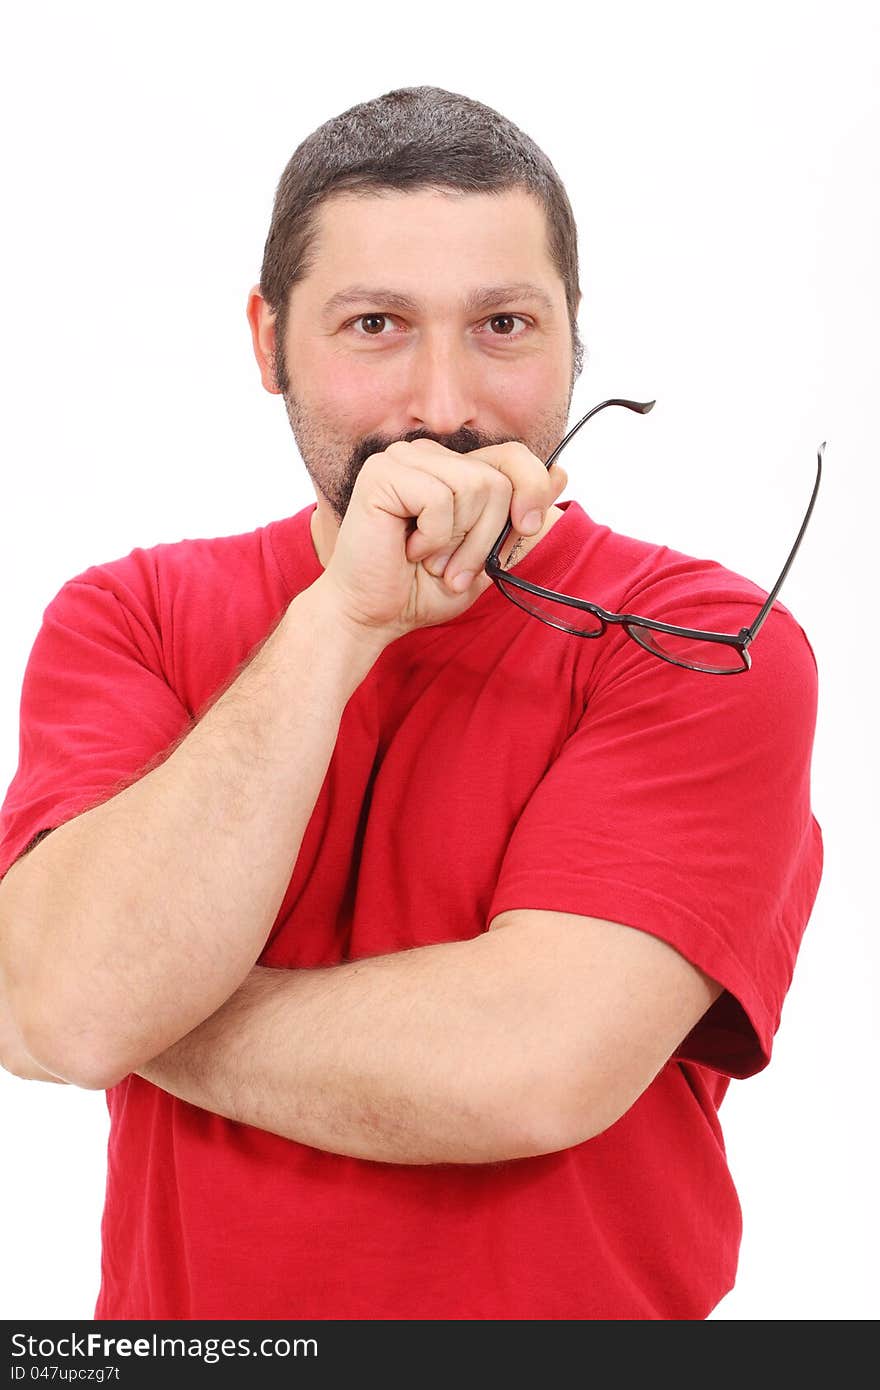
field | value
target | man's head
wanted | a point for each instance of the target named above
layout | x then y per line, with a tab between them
425	200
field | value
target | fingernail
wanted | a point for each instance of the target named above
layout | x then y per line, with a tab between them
463	581
531	522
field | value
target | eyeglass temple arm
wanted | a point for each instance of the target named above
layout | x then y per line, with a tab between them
749	633
641	406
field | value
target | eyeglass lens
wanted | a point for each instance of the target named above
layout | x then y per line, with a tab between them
559	614
688	651
672	646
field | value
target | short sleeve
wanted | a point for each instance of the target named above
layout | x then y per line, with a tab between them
96	713
680	805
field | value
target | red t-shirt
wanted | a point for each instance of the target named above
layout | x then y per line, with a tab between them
488	763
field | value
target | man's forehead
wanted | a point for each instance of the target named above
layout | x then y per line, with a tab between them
369	248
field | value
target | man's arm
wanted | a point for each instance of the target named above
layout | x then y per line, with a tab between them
530	1038
135	920
14	1056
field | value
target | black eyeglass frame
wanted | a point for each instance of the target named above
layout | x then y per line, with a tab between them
740	641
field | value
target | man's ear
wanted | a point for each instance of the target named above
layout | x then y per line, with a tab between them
262	321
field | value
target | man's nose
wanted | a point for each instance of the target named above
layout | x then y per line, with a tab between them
442	384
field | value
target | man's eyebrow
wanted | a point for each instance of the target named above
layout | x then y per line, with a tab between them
487	297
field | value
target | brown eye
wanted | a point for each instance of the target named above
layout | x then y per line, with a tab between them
507	326
373	319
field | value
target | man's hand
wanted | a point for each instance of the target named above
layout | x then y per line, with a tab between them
420	516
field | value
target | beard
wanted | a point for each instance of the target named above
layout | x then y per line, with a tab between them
333	464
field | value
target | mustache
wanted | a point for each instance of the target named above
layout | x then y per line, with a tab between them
462	441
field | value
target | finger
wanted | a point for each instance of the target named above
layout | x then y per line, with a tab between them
471	486
535	488
387	484
559	478
481	501
470	556
469	559
556	474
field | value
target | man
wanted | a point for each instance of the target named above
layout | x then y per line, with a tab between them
414	940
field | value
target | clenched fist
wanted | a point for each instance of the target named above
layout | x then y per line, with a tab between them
422	516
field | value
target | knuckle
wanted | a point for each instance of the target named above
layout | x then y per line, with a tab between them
511	446
439	499
526	462
502	483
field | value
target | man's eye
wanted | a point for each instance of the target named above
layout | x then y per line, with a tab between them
506	322
373	325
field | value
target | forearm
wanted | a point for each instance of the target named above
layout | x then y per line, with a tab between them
432	1055
133	922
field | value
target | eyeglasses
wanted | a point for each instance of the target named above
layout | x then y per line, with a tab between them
718	653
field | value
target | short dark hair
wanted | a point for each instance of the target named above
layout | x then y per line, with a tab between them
412	138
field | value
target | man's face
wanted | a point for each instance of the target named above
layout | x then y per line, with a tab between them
382	343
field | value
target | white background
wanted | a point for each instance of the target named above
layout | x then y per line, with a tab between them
723	168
